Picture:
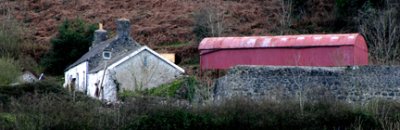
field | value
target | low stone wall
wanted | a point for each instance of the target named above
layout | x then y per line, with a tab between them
351	84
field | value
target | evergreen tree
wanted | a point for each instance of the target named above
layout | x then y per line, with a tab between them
72	41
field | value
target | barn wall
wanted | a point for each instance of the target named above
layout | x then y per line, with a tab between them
361	52
360	56
310	56
78	72
144	70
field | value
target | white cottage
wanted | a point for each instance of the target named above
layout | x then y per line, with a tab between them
131	66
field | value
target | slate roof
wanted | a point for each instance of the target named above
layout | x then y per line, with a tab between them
114	59
119	46
126	55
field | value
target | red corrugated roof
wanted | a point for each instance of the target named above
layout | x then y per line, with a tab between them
280	41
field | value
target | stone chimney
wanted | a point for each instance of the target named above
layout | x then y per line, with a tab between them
123	27
99	35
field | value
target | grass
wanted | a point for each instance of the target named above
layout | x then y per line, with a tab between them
46	105
9	71
183	88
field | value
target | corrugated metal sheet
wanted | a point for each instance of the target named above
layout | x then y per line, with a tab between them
279	41
292	50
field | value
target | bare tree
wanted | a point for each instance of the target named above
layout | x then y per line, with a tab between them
284	17
381	29
209	21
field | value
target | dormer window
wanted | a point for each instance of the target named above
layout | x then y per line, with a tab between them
106	55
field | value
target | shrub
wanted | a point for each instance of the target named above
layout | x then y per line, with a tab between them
72	41
183	88
347	10
44	87
59	111
9	71
7	121
126	94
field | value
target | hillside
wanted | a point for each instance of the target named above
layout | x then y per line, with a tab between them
177	26
163	22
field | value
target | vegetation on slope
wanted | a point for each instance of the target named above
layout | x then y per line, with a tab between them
72	41
156	23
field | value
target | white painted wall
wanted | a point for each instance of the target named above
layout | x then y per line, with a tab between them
110	92
80	73
144	70
93	78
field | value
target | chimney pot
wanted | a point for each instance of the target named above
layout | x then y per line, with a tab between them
123	27
99	35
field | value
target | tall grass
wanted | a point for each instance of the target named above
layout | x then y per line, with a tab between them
9	71
11	37
49	107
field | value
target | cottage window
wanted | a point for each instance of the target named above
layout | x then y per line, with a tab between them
145	61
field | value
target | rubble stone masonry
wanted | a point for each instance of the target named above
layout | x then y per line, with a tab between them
350	84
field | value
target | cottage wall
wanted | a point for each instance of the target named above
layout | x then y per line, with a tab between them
80	73
144	70
110	91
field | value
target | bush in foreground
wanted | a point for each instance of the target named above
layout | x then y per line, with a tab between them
49	107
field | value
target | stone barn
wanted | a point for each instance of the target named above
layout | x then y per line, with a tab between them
291	50
118	64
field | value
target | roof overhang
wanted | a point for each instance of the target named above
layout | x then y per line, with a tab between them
113	65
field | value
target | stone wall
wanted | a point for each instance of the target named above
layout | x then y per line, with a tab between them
351	84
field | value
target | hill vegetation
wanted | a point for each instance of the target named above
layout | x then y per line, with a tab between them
39	31
160	23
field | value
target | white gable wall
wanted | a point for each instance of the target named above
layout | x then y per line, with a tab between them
144	70
80	73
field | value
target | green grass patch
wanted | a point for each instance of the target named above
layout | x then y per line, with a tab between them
166	90
183	88
125	94
7	117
